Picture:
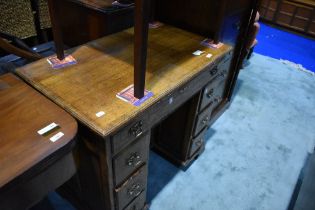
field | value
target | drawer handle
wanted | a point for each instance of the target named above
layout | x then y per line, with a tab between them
133	160
214	71
136	130
210	93
199	143
135	190
205	120
223	74
216	100
183	90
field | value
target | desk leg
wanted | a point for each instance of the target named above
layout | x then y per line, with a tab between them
95	173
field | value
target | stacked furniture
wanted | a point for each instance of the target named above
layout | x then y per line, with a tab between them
296	15
190	93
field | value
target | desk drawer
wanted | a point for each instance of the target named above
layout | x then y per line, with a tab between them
172	101
225	63
138	203
131	158
213	92
132	188
203	120
196	143
135	129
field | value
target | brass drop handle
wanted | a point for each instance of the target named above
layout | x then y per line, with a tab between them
214	71
135	190
223	74
210	93
216	100
133	160
205	120
183	90
136	130
199	142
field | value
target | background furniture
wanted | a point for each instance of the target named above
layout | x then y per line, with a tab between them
90	20
25	19
296	15
30	164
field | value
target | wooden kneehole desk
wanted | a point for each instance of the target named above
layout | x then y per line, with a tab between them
31	165
113	157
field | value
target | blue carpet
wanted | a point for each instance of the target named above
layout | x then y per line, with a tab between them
254	152
280	44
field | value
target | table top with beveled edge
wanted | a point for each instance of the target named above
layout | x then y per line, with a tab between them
105	67
24	111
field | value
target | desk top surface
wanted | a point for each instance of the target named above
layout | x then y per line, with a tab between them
105	67
23	111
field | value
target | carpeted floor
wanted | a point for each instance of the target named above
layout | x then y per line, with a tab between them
254	152
281	44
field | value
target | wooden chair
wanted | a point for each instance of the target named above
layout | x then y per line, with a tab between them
17	47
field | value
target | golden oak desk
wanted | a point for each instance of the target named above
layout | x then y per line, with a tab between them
114	148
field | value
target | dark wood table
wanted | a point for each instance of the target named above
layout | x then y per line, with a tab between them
31	165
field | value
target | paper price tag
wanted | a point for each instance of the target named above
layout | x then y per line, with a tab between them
198	52
209	55
56	137
100	114
47	128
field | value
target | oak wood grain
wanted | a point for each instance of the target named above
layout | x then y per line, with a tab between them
105	67
23	111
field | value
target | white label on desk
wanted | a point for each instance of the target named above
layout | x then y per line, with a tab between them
56	137
209	55
47	128
100	114
198	52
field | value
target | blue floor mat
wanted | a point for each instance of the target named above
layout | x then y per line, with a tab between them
280	44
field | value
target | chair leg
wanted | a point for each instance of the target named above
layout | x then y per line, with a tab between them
249	55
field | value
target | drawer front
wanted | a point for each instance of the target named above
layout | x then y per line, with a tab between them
197	142
208	94
171	102
135	129
132	188
203	120
225	63
213	92
131	158
138	203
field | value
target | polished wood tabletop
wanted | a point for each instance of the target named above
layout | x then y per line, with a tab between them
105	67
23	112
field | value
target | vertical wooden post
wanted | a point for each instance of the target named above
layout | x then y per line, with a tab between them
56	28
140	45
240	49
220	22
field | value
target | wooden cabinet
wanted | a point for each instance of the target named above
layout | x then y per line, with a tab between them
298	15
90	20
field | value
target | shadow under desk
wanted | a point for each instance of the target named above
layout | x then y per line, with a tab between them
113	149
